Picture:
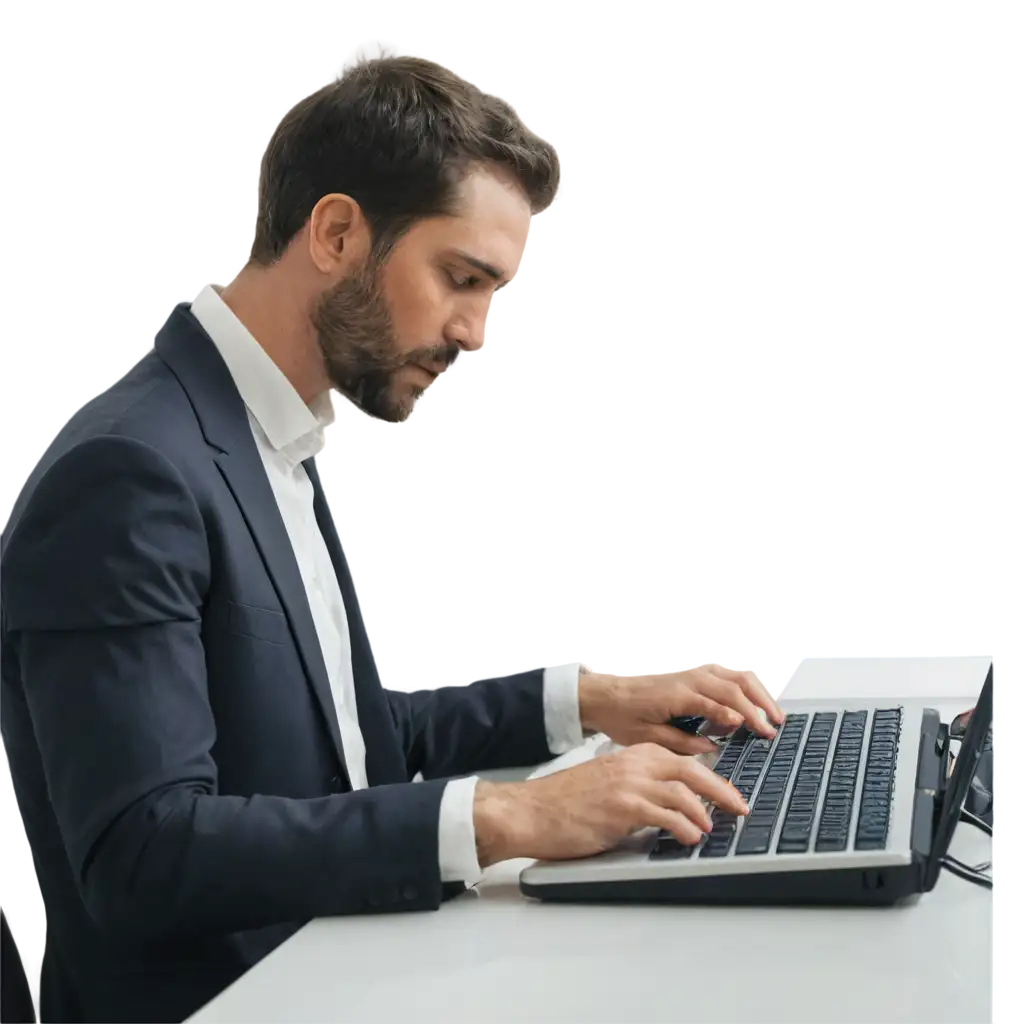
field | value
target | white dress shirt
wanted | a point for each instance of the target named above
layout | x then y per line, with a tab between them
287	432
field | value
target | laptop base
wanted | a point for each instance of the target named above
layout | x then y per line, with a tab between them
873	886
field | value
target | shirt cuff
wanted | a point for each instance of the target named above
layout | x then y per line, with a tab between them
456	833
562	708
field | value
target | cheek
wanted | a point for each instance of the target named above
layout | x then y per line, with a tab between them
419	312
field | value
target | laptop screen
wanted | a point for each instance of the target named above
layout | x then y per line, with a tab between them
960	781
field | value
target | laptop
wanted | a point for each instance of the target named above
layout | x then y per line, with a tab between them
852	802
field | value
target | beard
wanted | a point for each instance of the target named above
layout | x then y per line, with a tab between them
361	353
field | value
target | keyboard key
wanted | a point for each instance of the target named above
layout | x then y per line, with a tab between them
754	841
756	834
796	827
666	846
719	841
837	811
876	795
730	757
718	845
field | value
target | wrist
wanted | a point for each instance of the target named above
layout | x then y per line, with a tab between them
500	822
596	694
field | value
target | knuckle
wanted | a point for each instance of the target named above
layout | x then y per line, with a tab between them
647	750
630	803
680	793
624	760
685	829
626	786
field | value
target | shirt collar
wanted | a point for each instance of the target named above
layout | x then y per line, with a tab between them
290	426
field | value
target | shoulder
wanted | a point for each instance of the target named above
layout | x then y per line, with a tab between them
110	535
136	416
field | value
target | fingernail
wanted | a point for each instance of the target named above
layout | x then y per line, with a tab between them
746	807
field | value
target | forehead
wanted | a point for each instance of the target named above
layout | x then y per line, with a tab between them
492	223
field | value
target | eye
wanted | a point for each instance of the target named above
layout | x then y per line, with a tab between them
462	280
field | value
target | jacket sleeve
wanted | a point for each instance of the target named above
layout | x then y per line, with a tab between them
457	730
104	577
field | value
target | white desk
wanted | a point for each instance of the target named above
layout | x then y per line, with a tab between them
492	955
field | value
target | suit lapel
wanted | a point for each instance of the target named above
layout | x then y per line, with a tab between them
194	359
247	479
385	762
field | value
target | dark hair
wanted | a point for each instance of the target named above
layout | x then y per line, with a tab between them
398	135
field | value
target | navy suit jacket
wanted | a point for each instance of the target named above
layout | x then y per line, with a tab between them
168	718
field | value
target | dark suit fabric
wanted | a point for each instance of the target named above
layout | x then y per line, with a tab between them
168	718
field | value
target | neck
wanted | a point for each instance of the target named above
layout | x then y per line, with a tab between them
275	313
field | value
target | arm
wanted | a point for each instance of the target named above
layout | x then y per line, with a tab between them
454	730
104	578
495	723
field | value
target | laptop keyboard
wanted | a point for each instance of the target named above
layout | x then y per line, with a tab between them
761	769
876	799
834	830
796	829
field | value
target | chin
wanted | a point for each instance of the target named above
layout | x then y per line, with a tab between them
399	400
389	401
402	409
394	413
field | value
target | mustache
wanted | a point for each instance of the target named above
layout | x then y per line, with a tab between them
444	354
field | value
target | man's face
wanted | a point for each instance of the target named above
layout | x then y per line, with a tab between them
386	333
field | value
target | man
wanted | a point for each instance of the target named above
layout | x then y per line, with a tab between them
202	752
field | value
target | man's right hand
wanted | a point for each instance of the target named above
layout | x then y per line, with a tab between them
588	808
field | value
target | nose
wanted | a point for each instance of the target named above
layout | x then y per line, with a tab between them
467	334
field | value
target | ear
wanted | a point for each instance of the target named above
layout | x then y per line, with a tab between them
339	235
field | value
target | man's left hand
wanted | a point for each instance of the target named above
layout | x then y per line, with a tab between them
637	709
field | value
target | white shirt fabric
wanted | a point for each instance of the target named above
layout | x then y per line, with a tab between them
287	432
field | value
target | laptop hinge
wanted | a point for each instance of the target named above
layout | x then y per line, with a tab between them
930	785
942	749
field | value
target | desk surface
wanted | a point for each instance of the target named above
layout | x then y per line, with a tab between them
492	955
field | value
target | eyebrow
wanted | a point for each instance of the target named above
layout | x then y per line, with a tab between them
485	268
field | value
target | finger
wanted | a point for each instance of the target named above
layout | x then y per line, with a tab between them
680	742
666	766
672	821
677	796
704	782
730	694
698	703
754	689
